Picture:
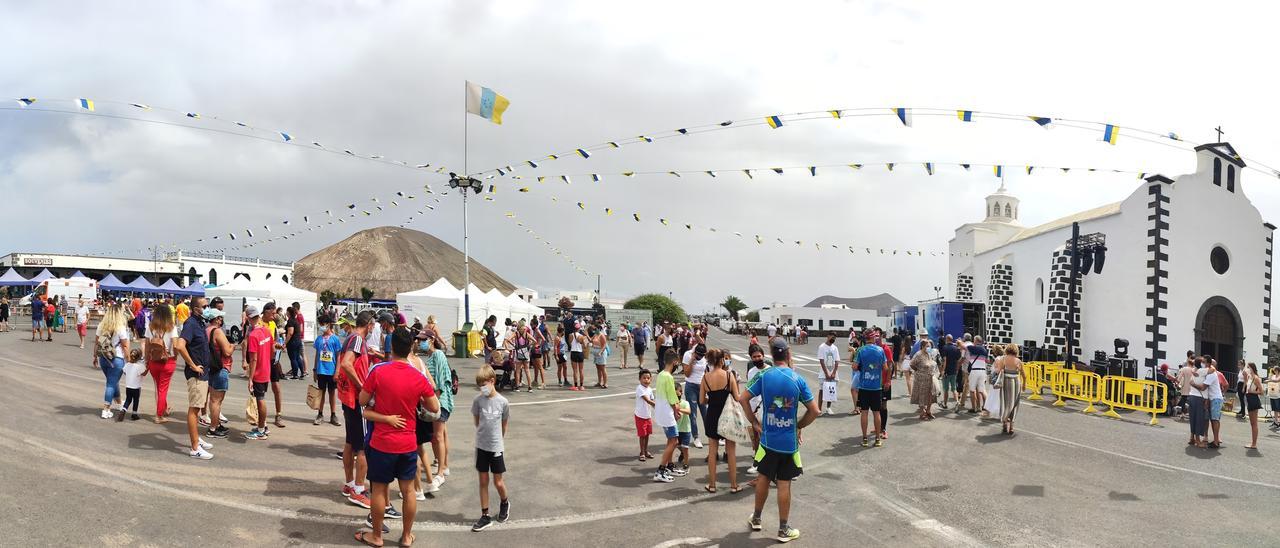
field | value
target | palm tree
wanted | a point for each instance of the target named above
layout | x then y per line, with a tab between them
733	305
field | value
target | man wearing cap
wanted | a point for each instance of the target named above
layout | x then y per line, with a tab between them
380	338
257	359
353	367
781	392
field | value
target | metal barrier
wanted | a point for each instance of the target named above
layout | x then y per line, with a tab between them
1039	375
1139	395
1076	385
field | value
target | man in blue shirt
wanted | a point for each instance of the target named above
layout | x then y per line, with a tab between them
37	318
781	392
869	361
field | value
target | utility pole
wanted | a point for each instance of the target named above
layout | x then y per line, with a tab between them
598	294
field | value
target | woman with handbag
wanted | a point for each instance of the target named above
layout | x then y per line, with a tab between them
924	370
158	352
1008	375
521	350
718	384
111	347
1253	401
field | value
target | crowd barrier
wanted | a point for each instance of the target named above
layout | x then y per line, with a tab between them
475	343
1040	375
1139	395
1077	385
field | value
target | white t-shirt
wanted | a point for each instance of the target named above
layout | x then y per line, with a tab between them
168	338
116	338
773	331
829	354
699	368
133	374
82	314
751	373
642	408
1212	389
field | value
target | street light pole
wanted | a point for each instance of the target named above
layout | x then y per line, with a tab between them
466	263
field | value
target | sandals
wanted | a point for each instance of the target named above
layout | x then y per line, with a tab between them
879	443
865	443
641	458
363	538
735	489
709	488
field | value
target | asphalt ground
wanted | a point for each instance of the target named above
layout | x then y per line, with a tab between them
1066	479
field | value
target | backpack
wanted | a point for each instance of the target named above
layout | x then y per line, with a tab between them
153	349
453	384
103	348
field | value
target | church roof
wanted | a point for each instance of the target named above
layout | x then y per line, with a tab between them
1086	215
1225	150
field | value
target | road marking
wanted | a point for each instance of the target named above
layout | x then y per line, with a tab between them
696	541
1137	460
562	400
920	520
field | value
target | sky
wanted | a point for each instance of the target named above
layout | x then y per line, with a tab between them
387	78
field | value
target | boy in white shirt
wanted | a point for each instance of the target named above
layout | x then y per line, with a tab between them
829	360
644	412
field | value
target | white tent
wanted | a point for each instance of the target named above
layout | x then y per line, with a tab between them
496	304
439	299
521	310
239	292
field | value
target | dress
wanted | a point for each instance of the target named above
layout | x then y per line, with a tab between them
1010	389
715	405
925	369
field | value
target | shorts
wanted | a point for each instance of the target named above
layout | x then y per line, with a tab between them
423	430
575	357
869	400
978	380
601	359
1252	402
276	374
644	427
197	393
37	323
353	421
385	467
686	439
82	329
218	380
490	462
1275	405
444	415
857	378
670	432
1215	409
949	384
325	382
260	390
48	322
639	348
777	466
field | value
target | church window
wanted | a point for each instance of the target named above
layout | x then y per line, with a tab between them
1040	290
1008	211
995	210
213	276
1231	178
1219	260
1217	171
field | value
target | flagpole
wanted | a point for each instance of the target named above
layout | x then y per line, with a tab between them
466	252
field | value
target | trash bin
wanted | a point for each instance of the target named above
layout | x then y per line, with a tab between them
460	341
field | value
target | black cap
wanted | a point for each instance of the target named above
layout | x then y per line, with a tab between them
700	349
779	345
386	317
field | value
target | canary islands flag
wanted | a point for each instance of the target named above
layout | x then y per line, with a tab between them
774	122
86	104
965	115
1110	134
483	102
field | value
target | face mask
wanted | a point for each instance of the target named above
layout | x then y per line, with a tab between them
423	346
758	363
726	362
486	390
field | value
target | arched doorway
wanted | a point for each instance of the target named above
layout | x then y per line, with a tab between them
1219	332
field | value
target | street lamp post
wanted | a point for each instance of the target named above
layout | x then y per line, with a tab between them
464	183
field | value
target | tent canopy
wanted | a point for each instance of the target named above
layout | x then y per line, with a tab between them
141	285
11	277
42	276
78	274
112	283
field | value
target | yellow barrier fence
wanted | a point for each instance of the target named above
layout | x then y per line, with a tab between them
475	343
1139	395
1077	385
1039	375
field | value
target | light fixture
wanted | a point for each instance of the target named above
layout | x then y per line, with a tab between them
1099	257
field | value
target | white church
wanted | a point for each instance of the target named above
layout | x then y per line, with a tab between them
1187	267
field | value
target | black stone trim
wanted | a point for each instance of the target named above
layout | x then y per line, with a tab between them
1266	300
1233	157
1158	276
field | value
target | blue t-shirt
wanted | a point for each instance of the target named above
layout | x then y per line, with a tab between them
197	347
781	392
327	348
639	337
870	360
37	310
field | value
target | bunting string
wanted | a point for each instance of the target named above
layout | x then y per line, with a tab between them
551	248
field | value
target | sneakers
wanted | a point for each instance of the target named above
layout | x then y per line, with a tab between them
661	476
204	444
754	523
106	414
134	417
318	419
201	454
392	513
433	485
697	442
222	419
445	473
358	499
254	435
203	420
119	415
419	495
483	523
368	521
221	432
752	470
678	472
788	534
347	490
504	511
334	420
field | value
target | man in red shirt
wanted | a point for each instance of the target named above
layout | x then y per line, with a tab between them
396	388
258	349
353	366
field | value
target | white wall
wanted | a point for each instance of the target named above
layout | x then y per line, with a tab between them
793	314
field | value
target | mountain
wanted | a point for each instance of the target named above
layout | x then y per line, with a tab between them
881	303
389	260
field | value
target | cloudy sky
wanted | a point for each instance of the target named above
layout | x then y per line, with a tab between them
386	78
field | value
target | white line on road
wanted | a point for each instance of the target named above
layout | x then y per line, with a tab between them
694	541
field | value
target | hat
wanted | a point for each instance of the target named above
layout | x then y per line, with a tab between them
386	317
211	314
346	320
778	345
252	311
700	349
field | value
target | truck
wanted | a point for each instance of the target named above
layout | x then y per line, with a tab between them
942	318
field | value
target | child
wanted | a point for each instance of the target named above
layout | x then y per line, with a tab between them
666	410
562	371
490	412
644	412
327	348
133	373
685	433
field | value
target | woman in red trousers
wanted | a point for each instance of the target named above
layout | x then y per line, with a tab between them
160	333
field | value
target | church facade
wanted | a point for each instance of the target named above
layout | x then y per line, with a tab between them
1188	266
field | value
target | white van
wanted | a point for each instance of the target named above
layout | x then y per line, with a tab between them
69	290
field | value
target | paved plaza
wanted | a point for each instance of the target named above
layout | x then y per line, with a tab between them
1066	479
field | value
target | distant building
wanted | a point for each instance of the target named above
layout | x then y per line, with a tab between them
1188	266
827	317
581	299
184	268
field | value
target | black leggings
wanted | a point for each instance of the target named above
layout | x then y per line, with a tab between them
131	396
886	395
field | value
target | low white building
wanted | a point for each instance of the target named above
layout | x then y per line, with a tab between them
183	267
828	317
1188	266
581	299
